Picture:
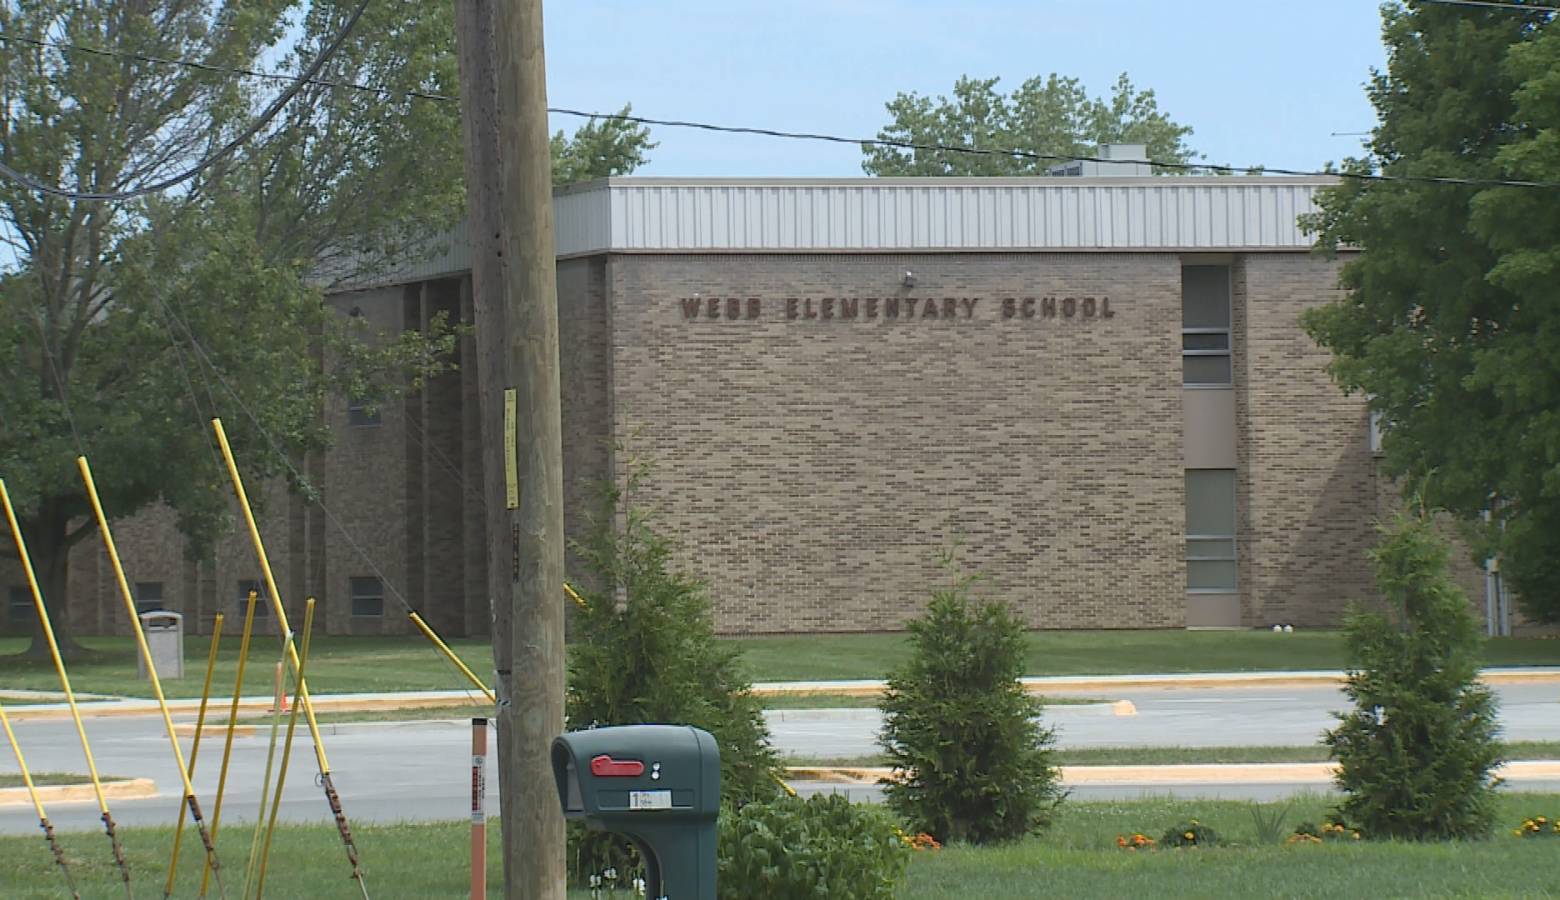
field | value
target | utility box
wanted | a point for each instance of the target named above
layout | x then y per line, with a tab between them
658	786
164	630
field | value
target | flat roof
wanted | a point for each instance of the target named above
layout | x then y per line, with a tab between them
1176	214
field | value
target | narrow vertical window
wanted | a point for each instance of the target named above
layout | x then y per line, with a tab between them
20	607
368	596
1210	530
148	595
1205	326
262	607
361	414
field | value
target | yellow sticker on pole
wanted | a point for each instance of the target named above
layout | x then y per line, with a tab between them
511	464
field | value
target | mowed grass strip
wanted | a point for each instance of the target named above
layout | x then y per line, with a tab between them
45	779
1179	756
1076	859
825	657
466	711
373	664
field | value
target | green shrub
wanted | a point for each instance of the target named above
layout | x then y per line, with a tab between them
824	846
971	761
1417	752
1190	834
644	651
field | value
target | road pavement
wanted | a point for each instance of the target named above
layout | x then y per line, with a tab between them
414	771
1170	717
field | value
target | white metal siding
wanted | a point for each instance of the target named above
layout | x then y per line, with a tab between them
902	214
935	214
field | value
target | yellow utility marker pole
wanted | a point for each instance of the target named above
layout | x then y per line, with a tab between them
445	649
331	797
227	745
265	783
200	724
70	696
292	727
43	818
151	668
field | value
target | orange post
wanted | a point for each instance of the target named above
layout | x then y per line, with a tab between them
479	731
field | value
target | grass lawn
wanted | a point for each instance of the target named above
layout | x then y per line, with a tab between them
41	779
1077	859
846	656
463	711
354	664
1173	756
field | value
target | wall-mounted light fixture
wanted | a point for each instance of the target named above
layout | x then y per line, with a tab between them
908	279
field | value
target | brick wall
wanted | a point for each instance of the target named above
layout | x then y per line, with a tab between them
813	469
1308	485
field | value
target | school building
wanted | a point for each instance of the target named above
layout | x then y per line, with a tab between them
1094	385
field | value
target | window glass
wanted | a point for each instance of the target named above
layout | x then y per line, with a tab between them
1205	370
368	596
1205	297
20	607
1210	502
360	416
1216	341
262	607
1210	575
1210	548
148	595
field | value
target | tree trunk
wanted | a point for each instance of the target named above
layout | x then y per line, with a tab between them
48	543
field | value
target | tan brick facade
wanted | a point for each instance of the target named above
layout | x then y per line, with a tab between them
815	468
818	438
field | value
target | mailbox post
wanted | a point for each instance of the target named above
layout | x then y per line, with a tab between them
658	786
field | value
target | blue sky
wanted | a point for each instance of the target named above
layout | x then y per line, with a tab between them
1260	82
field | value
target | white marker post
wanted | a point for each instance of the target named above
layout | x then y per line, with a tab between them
479	730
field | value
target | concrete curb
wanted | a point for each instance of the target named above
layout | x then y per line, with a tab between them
131	789
1192	774
247	706
1092	684
210	732
1042	684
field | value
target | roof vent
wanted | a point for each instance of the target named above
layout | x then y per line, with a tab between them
1116	161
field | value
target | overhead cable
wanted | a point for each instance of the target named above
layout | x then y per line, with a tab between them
1494	4
243	137
310	77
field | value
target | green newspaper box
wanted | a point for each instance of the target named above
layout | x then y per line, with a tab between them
658	786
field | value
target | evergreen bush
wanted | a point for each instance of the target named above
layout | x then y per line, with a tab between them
1417	752
971	761
644	651
824	846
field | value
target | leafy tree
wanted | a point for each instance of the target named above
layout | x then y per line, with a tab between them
1053	116
600	149
971	760
1449	324
126	325
644	651
1417	753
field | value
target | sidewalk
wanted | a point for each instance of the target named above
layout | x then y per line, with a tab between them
218	707
1092	684
1168	681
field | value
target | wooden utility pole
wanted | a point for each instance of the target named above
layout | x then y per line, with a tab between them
516	315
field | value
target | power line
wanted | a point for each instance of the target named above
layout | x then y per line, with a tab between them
1493	4
1014	153
221	153
276	448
